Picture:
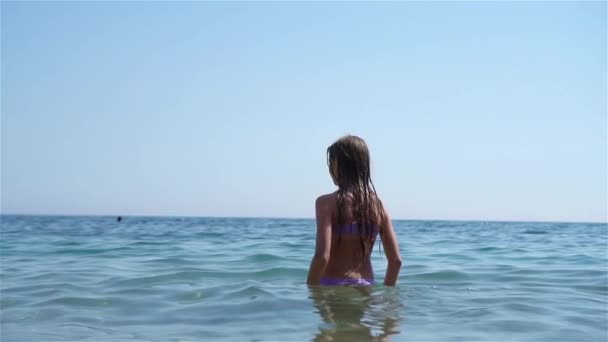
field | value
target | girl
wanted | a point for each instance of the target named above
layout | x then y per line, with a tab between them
349	220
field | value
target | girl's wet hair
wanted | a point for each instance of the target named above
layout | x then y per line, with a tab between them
356	190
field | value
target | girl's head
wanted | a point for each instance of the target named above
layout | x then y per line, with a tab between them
348	161
349	165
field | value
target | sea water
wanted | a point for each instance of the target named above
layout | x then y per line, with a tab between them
240	279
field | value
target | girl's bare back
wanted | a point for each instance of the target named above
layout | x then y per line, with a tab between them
349	221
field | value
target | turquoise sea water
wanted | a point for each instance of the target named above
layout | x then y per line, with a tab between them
220	279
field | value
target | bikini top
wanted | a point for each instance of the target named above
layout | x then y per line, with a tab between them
355	229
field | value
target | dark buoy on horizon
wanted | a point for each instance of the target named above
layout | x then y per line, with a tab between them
119	218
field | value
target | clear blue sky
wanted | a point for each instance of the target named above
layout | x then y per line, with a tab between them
490	111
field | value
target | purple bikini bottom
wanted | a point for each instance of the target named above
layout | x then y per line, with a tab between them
345	281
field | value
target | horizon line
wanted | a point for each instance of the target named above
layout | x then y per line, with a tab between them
297	218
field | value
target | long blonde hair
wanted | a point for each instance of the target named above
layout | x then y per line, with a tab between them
348	160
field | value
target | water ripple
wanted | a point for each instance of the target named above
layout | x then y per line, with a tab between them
161	279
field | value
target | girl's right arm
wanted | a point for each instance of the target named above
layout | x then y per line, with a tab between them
391	248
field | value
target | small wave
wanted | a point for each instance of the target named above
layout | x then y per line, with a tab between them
172	261
293	245
594	289
567	272
226	292
489	249
446	275
263	258
196	295
526	308
280	271
67	243
416	267
80	301
210	234
474	312
89	251
518	325
32	289
249	292
454	256
163	279
581	258
25	259
131	292
86	326
532	231
8	302
148	243
194	276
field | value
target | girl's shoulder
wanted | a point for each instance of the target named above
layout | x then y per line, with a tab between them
327	198
328	201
